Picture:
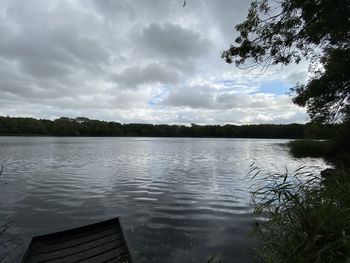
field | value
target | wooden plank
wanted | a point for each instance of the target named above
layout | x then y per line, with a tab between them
128	252
124	258
97	253
115	255
76	242
116	239
99	242
72	234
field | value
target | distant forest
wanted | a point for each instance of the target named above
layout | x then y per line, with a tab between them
85	127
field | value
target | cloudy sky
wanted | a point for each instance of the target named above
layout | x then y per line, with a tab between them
148	61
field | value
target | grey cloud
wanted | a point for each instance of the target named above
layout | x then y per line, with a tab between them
53	54
193	97
173	41
83	48
112	9
151	73
32	47
52	40
44	56
44	69
14	83
23	87
229	101
150	10
226	14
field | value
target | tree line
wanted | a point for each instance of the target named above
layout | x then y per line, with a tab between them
81	126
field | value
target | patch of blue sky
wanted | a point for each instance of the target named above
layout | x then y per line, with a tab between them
231	83
277	87
234	87
155	100
228	82
158	97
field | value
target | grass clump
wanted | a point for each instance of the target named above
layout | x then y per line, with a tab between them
306	219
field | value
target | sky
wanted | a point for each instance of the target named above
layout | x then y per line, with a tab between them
136	61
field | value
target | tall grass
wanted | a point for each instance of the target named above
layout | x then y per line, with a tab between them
306	219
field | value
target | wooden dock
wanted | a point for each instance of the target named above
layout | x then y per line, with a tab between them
101	242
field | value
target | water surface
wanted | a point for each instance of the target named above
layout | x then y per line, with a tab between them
180	199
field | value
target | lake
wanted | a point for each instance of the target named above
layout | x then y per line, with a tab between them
180	199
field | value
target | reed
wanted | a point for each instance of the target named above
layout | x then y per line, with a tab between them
302	218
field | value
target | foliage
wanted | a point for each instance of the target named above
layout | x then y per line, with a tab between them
341	151
310	148
320	131
335	150
85	127
287	31
307	221
327	94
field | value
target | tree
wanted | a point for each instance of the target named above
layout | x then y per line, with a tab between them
287	31
327	95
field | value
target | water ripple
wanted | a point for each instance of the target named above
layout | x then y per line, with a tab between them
181	200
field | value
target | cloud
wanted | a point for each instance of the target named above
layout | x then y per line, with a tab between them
172	41
225	14
193	97
111	9
134	76
207	97
54	54
297	76
133	61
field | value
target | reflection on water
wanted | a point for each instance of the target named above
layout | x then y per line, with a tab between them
180	199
